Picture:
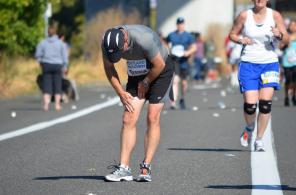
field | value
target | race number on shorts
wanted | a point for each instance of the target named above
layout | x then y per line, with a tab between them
270	77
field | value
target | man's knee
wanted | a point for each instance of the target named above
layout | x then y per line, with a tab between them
250	108
128	120
265	106
153	118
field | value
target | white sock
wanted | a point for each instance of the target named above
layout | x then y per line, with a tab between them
258	139
124	166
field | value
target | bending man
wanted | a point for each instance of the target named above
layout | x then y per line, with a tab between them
150	74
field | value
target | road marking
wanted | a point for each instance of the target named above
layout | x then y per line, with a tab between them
265	175
63	119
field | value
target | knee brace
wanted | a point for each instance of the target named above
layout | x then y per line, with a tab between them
250	108
265	106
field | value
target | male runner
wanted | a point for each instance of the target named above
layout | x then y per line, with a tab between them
181	40
150	74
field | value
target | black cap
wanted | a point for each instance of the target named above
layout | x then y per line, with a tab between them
180	20
113	43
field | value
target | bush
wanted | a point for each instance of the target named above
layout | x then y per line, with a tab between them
21	25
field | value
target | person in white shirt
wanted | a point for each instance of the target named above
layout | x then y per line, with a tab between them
262	29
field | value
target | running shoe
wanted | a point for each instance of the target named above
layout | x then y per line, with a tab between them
119	174
145	175
173	107
259	146
287	101
246	137
182	104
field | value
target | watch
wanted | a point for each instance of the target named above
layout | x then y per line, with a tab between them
145	83
281	36
240	39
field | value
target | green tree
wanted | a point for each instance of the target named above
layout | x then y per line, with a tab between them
69	14
21	25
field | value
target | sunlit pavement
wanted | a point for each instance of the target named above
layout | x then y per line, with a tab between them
199	151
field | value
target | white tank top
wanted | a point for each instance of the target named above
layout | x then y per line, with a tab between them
262	50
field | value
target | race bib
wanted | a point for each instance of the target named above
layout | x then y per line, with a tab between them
270	77
137	67
178	51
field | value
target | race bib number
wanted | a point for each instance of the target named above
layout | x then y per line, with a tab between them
270	77
137	67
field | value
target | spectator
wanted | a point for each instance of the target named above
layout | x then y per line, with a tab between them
52	55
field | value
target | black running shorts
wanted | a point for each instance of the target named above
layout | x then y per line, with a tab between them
290	75
160	90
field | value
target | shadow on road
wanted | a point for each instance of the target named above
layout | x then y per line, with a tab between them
70	177
249	187
209	149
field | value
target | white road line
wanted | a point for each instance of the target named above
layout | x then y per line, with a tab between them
63	119
265	175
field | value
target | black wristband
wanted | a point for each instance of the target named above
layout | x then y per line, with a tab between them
281	36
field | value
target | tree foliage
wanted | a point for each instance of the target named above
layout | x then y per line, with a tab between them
69	14
21	25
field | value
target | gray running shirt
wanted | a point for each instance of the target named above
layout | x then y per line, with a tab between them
144	44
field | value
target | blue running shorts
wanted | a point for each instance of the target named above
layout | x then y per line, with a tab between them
256	76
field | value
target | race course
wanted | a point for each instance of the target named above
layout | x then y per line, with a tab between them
68	152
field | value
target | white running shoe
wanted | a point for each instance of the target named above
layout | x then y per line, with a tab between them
259	146
119	174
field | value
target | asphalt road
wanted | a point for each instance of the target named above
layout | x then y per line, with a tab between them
199	151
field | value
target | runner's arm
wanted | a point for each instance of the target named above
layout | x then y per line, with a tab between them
158	65
113	78
190	50
236	29
280	30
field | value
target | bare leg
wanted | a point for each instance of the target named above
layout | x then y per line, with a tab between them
175	89
287	90
128	131
264	94
184	87
153	131
293	86
57	98
250	97
46	101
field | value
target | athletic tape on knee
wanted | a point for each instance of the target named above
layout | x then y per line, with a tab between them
250	108
265	106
